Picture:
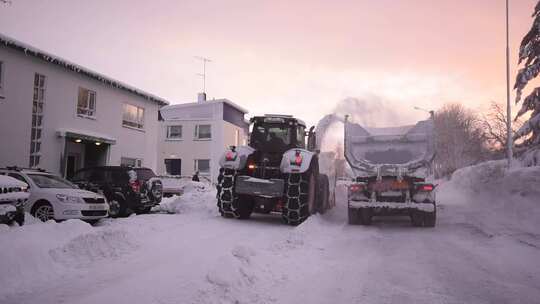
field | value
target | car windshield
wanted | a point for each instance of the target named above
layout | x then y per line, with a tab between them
50	181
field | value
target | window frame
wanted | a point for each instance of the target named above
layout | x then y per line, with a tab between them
38	109
137	161
87	108
168	135
196	166
198	134
139	125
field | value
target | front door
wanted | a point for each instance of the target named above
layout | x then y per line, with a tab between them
73	164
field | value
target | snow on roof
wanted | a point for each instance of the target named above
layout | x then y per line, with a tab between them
32	51
206	102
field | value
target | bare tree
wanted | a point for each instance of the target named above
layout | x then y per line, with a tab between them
459	140
494	125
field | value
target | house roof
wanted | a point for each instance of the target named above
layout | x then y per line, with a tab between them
206	102
52	59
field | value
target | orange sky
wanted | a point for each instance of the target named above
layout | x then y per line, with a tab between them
298	57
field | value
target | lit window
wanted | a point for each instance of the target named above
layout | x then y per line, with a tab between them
131	162
174	132
203	166
133	116
86	103
203	132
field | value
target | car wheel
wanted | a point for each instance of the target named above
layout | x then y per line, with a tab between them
114	208
43	212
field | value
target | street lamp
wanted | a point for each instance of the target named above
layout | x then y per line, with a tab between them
509	140
431	112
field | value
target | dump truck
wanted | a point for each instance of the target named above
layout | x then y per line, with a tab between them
277	172
390	167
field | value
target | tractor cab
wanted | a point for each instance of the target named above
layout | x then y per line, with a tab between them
278	133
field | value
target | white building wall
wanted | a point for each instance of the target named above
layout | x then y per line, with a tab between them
188	149
60	112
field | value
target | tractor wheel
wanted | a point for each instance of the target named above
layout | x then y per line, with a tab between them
323	191
229	203
300	196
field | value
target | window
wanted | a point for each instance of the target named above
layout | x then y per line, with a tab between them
203	132
130	162
173	166
203	166
133	116
38	101
174	132
237	137
86	103
18	176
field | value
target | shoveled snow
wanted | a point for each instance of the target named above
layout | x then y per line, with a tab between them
484	249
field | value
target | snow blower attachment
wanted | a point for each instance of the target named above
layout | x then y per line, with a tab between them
390	167
276	173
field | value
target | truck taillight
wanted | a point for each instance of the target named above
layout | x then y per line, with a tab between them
426	187
135	186
251	166
357	187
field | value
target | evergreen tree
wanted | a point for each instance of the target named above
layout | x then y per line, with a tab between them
529	52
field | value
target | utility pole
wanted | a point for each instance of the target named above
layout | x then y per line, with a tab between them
509	140
203	75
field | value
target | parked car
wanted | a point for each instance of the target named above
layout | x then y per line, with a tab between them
13	195
55	198
127	189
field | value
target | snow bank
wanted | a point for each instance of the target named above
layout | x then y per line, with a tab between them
493	196
197	197
39	252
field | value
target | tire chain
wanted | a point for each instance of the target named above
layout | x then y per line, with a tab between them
225	194
294	185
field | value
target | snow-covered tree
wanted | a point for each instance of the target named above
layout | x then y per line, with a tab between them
529	133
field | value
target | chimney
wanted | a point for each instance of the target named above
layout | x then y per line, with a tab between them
201	97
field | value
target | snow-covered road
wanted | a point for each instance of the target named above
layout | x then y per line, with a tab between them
195	256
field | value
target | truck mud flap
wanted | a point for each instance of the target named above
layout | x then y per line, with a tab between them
427	207
260	187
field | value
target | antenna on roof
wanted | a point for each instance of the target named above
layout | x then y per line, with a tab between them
203	75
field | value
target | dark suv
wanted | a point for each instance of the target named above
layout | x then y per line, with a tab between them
127	189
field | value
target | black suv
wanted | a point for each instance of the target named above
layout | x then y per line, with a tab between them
127	189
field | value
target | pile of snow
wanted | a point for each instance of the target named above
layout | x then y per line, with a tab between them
196	197
38	251
494	196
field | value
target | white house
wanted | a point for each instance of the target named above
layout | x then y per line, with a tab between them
60	116
194	135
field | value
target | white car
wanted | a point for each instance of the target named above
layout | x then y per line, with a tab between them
13	195
55	198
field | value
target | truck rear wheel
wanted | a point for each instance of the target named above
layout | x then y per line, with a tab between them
430	218
300	197
229	203
365	215
417	218
352	215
